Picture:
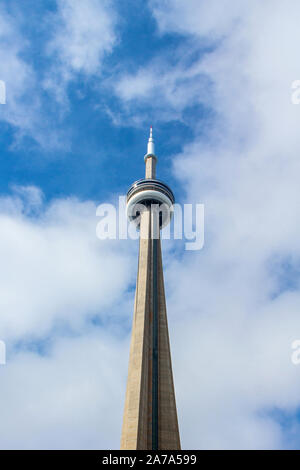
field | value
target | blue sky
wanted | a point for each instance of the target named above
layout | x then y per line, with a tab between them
84	81
94	156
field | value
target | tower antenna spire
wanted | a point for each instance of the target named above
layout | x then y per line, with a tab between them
151	146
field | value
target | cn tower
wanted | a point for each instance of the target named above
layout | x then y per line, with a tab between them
150	416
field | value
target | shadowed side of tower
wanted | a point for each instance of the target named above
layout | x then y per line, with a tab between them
150	415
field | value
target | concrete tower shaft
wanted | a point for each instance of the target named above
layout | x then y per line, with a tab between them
150	415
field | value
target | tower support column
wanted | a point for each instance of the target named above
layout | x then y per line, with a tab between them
150	167
150	415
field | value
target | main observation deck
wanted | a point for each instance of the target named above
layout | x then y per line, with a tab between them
150	191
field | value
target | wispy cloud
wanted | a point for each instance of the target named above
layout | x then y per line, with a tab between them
22	103
79	37
83	34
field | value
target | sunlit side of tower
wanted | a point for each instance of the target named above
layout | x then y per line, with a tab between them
150	415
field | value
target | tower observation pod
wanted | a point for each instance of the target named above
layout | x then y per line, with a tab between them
150	192
150	415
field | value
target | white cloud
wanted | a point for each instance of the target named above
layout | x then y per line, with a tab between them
235	311
22	103
57	272
174	81
30	197
162	91
71	398
194	17
64	305
84	33
177	86
23	108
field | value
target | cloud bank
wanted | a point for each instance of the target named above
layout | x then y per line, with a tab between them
63	301
242	311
